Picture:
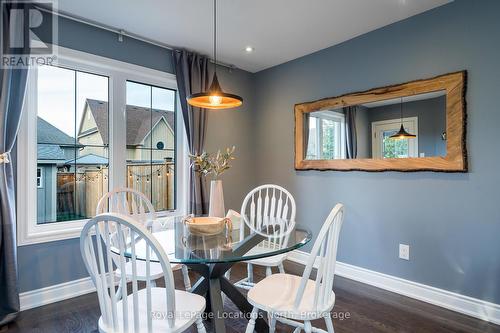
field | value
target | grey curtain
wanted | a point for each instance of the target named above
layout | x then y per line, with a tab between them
350	132
192	77
305	132
13	86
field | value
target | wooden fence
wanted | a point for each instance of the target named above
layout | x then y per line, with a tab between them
78	194
155	181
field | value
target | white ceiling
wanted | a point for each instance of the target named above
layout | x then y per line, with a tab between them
279	30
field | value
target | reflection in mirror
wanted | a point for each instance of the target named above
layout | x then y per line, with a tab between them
364	131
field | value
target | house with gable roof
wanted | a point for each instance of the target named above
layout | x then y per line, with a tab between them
145	128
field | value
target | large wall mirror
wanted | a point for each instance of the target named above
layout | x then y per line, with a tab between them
415	126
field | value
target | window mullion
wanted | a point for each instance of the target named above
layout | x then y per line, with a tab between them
151	143
117	150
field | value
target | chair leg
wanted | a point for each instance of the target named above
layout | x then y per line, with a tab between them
307	326
297	330
185	277
281	268
329	323
272	323
268	271
253	318
250	273
199	326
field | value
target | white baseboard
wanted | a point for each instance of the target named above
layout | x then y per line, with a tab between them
464	304
59	292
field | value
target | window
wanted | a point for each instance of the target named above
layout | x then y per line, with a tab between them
39	178
384	147
151	127
326	136
75	142
72	143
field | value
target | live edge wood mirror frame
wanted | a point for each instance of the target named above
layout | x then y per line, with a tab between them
454	159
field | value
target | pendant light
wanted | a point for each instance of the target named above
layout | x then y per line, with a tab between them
215	98
402	134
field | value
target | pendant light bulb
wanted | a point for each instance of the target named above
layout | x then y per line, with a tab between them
215	100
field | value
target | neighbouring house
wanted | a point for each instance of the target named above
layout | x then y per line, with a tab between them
146	128
54	148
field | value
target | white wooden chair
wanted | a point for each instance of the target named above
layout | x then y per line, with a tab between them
296	300
150	309
135	204
267	204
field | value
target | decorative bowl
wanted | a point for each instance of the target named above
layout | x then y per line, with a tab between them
207	226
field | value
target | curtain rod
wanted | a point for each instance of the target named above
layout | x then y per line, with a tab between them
120	32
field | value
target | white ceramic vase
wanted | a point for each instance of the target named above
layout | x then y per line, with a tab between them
216	208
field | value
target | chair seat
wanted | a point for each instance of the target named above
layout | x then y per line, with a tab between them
155	270
276	294
268	261
188	307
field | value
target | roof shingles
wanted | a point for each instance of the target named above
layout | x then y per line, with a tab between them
139	120
49	134
50	152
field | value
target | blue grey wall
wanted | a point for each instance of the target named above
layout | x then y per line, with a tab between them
86	38
450	221
46	264
227	128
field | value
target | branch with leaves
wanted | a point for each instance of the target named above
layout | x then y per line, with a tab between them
209	164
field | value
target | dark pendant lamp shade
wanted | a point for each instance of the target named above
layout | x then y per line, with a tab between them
214	97
402	133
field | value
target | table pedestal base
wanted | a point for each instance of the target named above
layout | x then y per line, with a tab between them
213	282
210	285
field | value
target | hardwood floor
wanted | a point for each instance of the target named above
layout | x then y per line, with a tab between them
359	308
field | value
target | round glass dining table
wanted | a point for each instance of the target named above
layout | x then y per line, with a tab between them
213	255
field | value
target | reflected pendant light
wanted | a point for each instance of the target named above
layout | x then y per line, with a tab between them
214	97
402	134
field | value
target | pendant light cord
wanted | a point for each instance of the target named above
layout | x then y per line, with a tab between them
215	36
401	110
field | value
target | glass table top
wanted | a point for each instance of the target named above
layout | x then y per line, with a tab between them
184	247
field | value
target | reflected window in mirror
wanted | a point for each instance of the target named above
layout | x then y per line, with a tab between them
395	148
383	146
325	133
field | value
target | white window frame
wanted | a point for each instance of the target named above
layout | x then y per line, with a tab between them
378	127
118	72
338	118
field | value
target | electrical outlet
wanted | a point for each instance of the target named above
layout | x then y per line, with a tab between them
404	251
